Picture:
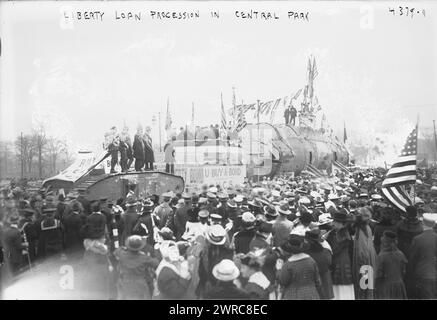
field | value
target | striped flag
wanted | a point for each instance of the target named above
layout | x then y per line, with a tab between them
223	113
241	121
401	173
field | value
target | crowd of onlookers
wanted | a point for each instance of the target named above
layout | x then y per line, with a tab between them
280	238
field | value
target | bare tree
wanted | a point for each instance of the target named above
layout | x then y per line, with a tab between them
40	139
55	148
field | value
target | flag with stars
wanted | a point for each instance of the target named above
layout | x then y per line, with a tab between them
402	172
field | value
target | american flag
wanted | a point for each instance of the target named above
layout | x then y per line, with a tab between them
402	173
241	121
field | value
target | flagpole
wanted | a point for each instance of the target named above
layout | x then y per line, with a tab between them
435	143
417	147
160	139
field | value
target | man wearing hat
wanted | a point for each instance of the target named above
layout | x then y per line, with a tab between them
145	223
50	234
164	211
212	203
73	222
13	245
181	216
282	226
422	261
129	219
222	208
135	281
241	239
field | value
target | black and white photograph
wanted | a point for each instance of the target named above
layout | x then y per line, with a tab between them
218	150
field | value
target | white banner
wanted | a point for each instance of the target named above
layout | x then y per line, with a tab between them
216	175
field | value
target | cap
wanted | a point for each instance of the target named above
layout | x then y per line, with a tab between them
203	214
216	216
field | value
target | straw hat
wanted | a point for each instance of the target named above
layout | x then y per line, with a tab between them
216	234
226	270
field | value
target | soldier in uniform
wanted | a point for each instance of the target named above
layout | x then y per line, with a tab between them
293	115
51	234
139	149
13	245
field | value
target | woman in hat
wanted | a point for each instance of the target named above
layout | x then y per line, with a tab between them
391	269
323	258
364	253
341	244
258	286
173	273
225	273
241	239
134	266
263	237
299	275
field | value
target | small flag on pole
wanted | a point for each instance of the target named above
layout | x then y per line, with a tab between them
402	173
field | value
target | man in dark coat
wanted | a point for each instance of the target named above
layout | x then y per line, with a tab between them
138	149
129	219
13	245
222	208
386	223
181	216
96	220
422	261
144	226
407	229
287	115
73	223
27	227
149	157
164	211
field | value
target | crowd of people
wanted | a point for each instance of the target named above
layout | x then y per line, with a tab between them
281	238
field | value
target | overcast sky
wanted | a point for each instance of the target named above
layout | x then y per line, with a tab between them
101	73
